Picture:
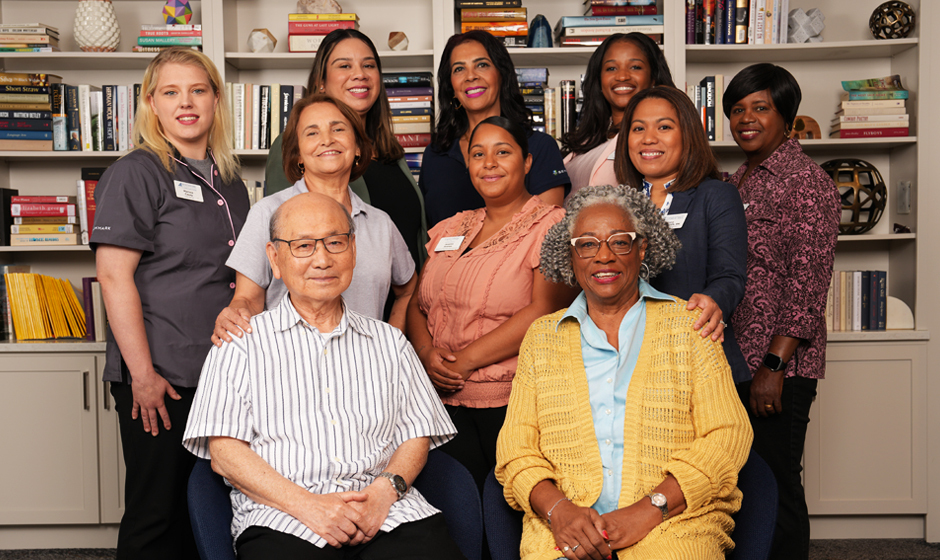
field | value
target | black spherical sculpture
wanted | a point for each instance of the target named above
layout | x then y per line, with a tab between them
892	20
863	193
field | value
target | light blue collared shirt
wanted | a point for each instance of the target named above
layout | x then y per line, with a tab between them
608	374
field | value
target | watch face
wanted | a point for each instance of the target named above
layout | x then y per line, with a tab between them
399	484
658	500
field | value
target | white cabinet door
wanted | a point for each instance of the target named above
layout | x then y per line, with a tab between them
49	471
109	452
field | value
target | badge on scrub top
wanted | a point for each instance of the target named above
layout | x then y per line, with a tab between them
449	244
188	191
676	221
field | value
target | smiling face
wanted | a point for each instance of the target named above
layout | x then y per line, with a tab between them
321	278
655	140
496	165
624	72
184	103
757	126
608	280
475	79
352	75
326	140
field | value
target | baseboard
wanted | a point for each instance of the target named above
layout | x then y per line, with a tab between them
867	527
58	536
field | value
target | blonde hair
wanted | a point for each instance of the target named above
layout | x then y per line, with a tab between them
148	132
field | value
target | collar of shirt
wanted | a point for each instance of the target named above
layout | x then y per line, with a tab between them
780	161
358	206
456	154
648	189
290	318
579	311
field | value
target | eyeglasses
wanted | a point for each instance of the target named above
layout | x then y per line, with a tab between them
303	248
618	243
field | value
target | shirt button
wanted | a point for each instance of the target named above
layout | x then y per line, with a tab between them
324	351
220	203
333	422
609	380
607	441
216	173
610	472
607	412
336	459
232	285
231	242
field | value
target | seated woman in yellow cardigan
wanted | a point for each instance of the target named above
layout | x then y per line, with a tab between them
624	434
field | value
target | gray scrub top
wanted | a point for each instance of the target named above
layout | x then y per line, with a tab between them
182	278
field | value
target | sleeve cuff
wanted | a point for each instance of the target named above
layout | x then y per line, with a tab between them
522	485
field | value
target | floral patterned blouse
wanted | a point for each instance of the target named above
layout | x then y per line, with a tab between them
792	209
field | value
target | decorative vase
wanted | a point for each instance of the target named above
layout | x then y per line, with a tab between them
96	27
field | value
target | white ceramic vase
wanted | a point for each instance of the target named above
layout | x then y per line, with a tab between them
96	27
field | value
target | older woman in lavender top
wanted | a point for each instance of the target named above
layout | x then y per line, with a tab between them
792	210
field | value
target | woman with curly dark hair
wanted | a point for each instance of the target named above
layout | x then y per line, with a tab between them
622	66
476	80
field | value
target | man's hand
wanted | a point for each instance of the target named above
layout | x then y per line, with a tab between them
374	509
334	516
149	390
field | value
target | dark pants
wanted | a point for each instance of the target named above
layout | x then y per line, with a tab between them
422	539
475	444
156	520
779	440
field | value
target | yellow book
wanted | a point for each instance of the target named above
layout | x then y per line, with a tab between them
322	17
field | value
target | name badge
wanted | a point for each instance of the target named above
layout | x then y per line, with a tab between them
188	191
746	204
676	221
449	244
611	156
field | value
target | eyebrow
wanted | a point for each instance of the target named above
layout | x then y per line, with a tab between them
628	60
497	144
315	125
349	59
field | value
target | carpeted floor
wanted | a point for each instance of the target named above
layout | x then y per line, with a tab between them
861	549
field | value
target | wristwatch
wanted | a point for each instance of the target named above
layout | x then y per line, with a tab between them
774	362
398	483
659	501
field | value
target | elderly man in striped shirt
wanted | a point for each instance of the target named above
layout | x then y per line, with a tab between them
321	418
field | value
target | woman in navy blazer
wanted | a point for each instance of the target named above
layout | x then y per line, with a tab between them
662	150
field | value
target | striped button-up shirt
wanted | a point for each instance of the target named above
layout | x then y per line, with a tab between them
325	411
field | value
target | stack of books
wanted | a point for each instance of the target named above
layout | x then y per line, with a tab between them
873	108
590	31
44	220
86	200
532	85
26	111
411	97
706	95
259	113
619	8
858	301
725	22
504	20
95	316
414	164
155	38
43	307
93	118
28	37
305	32
7	332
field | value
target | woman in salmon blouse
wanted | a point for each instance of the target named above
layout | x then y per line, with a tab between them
481	289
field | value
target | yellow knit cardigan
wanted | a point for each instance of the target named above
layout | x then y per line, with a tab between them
683	417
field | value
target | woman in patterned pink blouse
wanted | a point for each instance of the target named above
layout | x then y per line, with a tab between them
479	291
792	209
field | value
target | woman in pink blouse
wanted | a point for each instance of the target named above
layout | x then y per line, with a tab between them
792	210
481	289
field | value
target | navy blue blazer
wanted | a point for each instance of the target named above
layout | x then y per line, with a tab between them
713	258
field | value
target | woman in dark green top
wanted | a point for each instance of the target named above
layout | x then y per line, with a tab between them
347	68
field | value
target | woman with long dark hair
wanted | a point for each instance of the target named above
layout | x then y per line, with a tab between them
477	80
622	66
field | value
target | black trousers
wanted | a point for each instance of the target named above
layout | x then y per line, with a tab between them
156	520
779	440
474	446
418	540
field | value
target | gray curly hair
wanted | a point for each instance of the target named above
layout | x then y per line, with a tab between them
662	245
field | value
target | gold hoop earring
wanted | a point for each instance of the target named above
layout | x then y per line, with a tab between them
301	167
455	103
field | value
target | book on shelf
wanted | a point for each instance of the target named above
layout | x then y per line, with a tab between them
169	41
255	190
408	91
610	30
44	307
26	124
871	133
171	27
44	209
21	220
7	332
6	214
304	43
154	49
58	118
411	128
41	239
109	117
172	31
407	79
73	124
872	117
30	28
493	14
26	135
410	111
322	17
461	4
413	140
23	38
86	200
26	79
42	228
321	27
857	301
88	303
606	21
26	145
100	313
871	95
839	125
602	10
496	28
42	199
412	119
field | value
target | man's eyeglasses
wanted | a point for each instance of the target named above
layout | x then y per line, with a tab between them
303	248
618	243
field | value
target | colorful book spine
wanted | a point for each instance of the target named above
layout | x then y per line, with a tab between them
604	31
169	41
496	28
869	95
871	133
304	43
88	300
170	33
26	124
621	10
322	17
42	228
13	78
25	135
319	27
493	14
109	114
606	21
24	98
42	200
72	119
43	239
413	140
42	209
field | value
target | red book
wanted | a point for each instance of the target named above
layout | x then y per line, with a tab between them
42	199
169	33
42	209
413	140
622	11
318	27
870	133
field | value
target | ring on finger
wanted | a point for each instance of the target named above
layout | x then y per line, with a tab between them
565	549
575	547
769	406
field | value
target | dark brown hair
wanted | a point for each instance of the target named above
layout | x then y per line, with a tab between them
290	146
698	160
378	120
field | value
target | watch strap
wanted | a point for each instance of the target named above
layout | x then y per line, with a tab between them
663	506
774	362
398	483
